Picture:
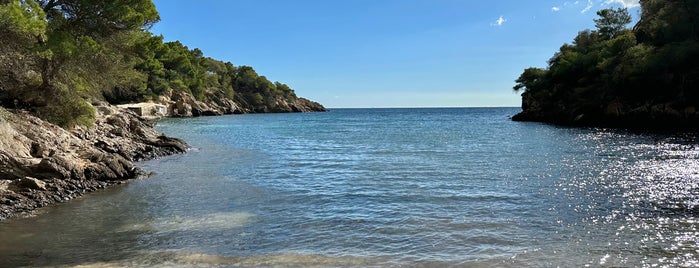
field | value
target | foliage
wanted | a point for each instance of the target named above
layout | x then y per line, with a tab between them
611	22
68	110
60	55
531	79
667	21
172	65
23	17
99	18
656	61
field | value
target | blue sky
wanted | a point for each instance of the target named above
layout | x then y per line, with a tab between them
384	53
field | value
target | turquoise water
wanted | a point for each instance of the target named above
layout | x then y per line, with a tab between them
384	187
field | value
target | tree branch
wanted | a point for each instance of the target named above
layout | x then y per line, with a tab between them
50	4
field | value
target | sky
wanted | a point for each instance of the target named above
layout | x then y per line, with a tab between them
385	53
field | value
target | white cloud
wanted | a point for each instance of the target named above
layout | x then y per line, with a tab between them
594	4
624	3
588	7
500	21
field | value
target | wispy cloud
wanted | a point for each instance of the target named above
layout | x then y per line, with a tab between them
500	21
588	7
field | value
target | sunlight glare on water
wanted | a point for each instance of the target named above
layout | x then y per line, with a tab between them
385	187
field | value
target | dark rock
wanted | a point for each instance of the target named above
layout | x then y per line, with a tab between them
11	168
664	116
54	167
169	144
27	183
210	113
182	109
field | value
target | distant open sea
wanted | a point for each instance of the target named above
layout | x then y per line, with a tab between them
382	188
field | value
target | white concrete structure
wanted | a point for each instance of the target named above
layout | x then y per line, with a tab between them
146	109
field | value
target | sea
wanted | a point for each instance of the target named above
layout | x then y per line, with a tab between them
431	187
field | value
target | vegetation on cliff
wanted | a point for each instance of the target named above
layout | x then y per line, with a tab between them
66	61
59	56
622	77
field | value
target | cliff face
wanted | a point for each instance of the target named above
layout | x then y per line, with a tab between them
41	163
181	104
651	114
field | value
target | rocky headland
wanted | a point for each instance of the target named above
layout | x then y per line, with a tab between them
42	163
181	104
59	69
644	77
650	115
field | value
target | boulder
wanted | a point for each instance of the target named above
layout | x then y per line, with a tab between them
181	109
27	183
40	150
42	163
57	167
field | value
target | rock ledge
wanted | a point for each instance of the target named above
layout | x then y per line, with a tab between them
41	163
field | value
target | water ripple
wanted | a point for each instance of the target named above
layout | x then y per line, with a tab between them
386	188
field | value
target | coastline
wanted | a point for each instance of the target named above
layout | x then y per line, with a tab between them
661	124
652	115
42	164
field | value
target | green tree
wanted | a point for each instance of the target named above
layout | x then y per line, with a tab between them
22	24
56	56
656	62
81	26
99	18
531	79
23	17
665	21
611	22
88	50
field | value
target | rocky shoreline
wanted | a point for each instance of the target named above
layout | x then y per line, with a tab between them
43	164
652	115
180	104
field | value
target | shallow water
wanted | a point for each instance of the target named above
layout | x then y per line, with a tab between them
384	187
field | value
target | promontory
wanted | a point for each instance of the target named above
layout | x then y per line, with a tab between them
644	77
81	85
